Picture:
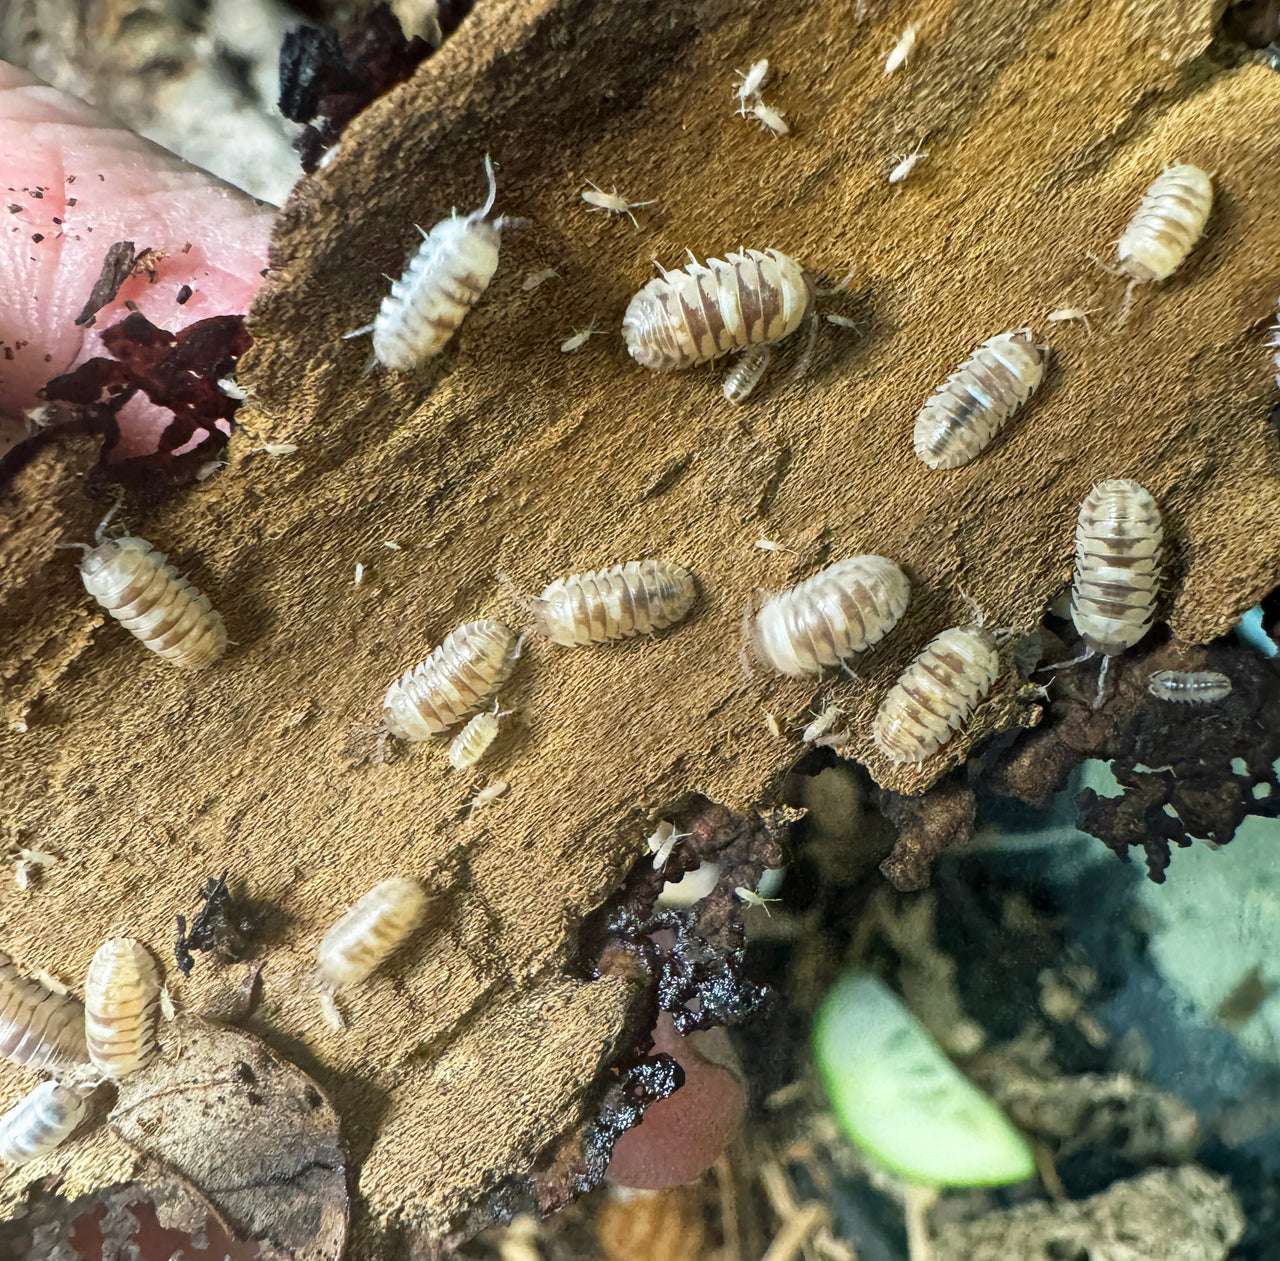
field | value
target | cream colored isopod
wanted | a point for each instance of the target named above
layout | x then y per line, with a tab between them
38	1028
376	925
121	998
39	1122
830	618
936	695
638	598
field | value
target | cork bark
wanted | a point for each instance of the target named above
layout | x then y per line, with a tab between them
1044	123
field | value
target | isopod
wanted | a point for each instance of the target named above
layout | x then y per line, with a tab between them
580	338
39	1027
471	664
1118	546
39	1122
637	598
487	795
838	613
662	841
701	312
901	52
936	694
444	279
822	723
746	372
770	119
1200	686
612	203
473	741
1165	226
908	164
151	599
750	83
971	406
376	925
121	996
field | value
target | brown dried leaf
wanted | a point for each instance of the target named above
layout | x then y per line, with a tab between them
251	1131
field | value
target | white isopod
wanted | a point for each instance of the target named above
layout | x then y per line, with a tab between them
39	1122
612	203
699	313
746	372
471	664
151	599
768	117
39	1028
1199	686
971	406
840	612
908	164
473	741
1118	546
444	279
376	925
901	52
637	598
1165	227
121	997
749	83
936	694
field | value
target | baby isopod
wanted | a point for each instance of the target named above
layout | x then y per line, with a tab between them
637	598
536	278
749	84
746	372
1064	313
971	406
121	995
612	203
1165	226
699	313
1200	686
908	164
39	1122
769	118
376	925
1118	546
838	613
39	1027
444	279
901	52
471	664
936	694
580	338
151	599
473	741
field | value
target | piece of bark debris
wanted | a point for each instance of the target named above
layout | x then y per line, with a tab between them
117	267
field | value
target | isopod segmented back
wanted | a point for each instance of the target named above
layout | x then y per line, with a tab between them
375	926
468	668
121	998
1199	687
39	1122
473	741
40	1029
971	406
1118	547
1167	224
638	598
936	695
840	612
700	312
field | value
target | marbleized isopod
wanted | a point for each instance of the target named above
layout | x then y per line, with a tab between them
376	925
1198	687
39	1122
471	664
121	997
838	613
638	598
39	1028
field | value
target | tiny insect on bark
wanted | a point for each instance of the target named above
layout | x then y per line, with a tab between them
379	923
752	898
662	842
1062	314
612	203
487	795
908	164
444	279
39	1122
151	599
580	338
1199	687
121	995
637	598
822	723
901	52
830	618
769	118
749	83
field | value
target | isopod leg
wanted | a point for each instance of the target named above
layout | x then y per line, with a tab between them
1087	655
1102	683
1127	305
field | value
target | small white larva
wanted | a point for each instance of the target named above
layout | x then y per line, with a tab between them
637	598
121	996
745	374
698	313
901	52
444	279
749	83
838	613
936	694
152	600
473	741
908	164
1165	226
1197	687
1117	576
39	1122
471	664
376	925
39	1028
971	406
768	117
611	203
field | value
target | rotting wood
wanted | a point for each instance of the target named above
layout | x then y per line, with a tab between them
1046	122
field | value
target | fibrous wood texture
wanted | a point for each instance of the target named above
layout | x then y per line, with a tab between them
1044	123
